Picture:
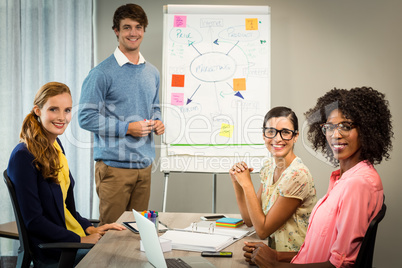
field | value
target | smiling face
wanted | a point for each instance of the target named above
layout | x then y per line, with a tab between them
346	147
130	35
55	115
278	147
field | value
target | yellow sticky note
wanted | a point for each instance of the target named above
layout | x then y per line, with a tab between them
251	24
226	130
239	84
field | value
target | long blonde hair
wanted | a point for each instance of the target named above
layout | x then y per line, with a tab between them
34	135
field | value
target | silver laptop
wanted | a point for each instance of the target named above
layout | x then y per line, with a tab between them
153	249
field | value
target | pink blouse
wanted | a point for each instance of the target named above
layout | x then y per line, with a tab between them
340	219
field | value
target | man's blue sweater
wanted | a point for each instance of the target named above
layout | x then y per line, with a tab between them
111	98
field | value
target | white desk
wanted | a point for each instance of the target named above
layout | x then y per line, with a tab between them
9	230
122	249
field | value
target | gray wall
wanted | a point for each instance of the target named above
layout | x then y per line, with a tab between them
316	45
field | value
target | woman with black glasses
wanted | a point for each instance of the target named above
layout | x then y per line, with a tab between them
353	129
282	205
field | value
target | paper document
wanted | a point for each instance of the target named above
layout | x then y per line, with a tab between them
196	241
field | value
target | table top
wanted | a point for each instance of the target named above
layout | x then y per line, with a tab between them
9	230
122	248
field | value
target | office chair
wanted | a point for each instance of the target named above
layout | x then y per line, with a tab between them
365	257
25	256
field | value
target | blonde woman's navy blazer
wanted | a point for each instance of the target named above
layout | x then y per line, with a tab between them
41	203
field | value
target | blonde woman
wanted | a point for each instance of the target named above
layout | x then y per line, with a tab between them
43	183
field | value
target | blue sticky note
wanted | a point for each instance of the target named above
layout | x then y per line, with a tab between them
229	220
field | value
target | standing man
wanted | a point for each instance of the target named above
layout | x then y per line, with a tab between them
120	104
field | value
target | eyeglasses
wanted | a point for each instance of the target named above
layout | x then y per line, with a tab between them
286	134
343	128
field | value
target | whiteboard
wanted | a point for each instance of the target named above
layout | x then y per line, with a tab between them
215	86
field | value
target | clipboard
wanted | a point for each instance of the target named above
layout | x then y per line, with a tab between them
132	226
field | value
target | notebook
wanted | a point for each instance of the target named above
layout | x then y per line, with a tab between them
153	249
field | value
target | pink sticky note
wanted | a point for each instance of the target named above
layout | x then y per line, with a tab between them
180	21
177	99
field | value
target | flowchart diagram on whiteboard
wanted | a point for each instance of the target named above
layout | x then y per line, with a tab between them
216	84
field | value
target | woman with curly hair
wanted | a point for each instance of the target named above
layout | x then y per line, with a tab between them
43	183
352	128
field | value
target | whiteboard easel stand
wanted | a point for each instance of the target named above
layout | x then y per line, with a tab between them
166	175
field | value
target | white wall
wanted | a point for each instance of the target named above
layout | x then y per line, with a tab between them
316	45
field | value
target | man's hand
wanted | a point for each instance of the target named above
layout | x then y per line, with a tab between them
140	128
143	128
159	127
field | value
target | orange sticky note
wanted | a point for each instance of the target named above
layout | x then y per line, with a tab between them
239	84
178	80
251	24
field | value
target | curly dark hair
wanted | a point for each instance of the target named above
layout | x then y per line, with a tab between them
367	108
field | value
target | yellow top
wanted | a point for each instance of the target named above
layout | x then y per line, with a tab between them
71	223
